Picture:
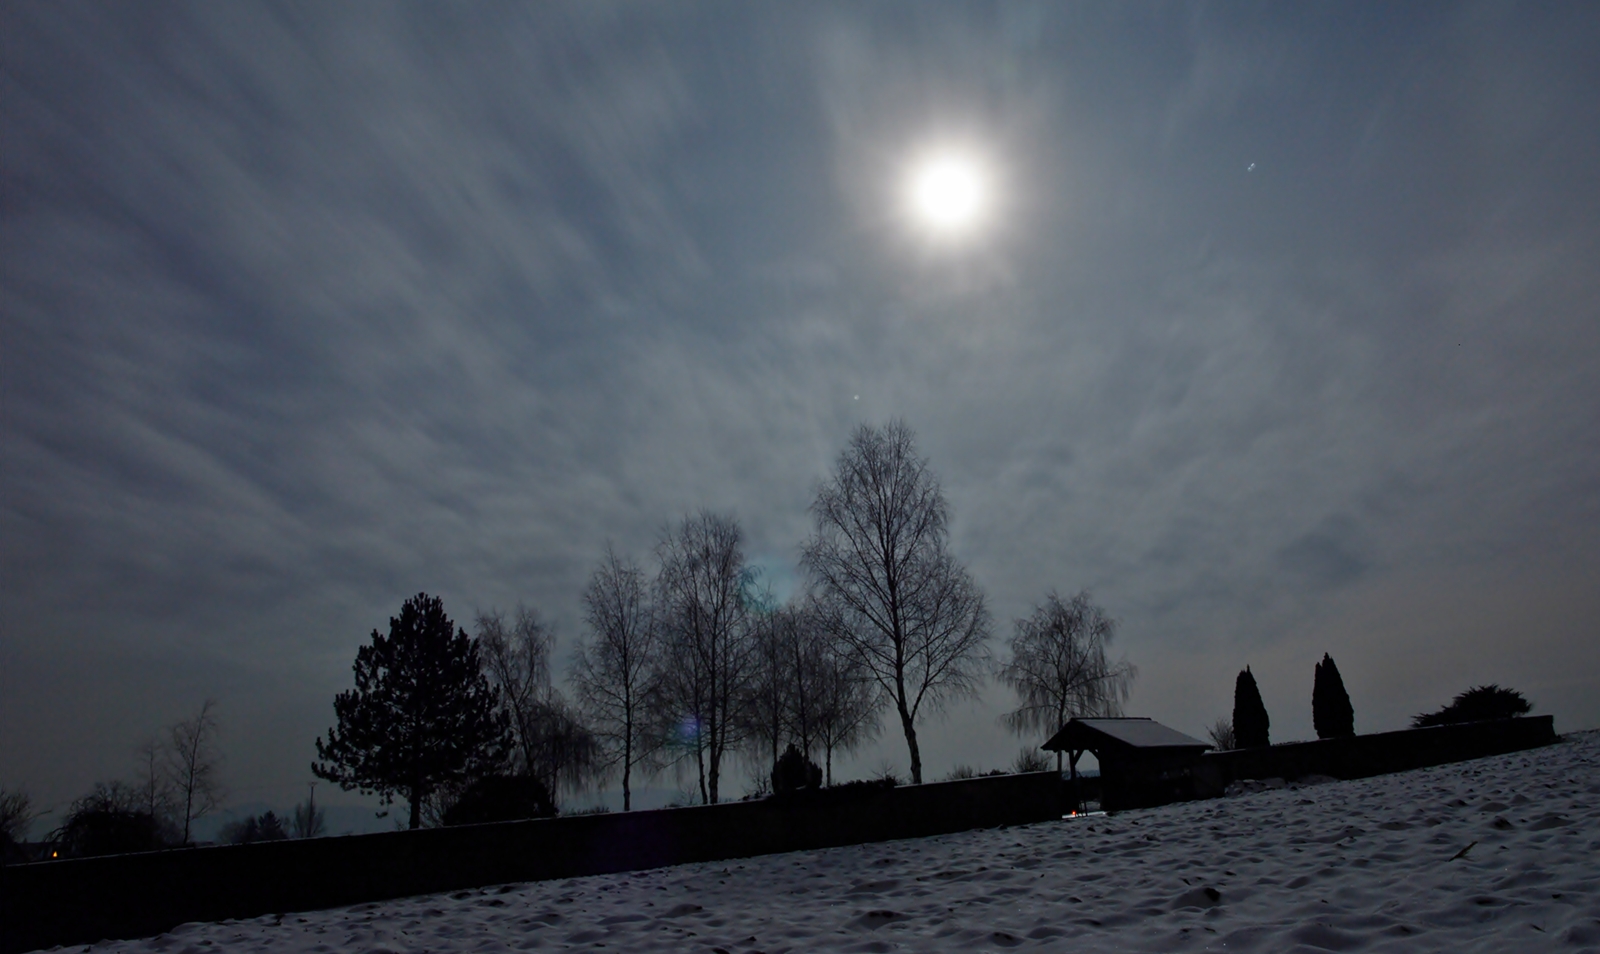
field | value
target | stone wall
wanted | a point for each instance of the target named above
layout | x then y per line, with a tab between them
1137	784
123	896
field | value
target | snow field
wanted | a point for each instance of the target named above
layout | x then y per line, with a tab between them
1498	854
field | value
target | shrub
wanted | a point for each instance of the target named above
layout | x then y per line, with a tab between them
107	821
794	772
1031	760
1221	733
591	810
886	774
1476	704
495	798
961	772
863	785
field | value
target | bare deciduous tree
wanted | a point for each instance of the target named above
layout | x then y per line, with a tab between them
614	674
771	695
516	655
566	755
1059	668
16	817
911	615
706	654
800	643
193	764
552	743
1221	733
153	782
308	820
846	701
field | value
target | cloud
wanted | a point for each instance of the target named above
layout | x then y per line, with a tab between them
306	310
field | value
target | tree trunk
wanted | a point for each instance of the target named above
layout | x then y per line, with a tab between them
716	760
911	743
627	769
188	809
700	761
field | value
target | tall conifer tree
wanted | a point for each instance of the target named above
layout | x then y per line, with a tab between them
422	714
1331	711
1250	721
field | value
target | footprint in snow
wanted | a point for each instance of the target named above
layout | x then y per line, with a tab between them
873	920
1207	897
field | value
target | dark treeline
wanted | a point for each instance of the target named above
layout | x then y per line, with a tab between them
176	782
1333	716
688	665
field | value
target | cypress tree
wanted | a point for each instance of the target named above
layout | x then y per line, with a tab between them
422	714
1331	711
1250	721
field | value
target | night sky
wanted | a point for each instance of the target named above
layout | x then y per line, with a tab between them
1280	333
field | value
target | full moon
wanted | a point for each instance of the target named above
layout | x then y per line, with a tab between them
948	193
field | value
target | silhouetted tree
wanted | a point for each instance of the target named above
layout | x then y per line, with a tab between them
16	815
1033	760
422	713
192	766
516	656
707	654
552	743
107	821
307	820
154	783
495	798
1331	712
1476	704
1221	733
800	643
793	771
765	713
911	616
843	701
1250	721
265	827
614	673
565	753
1059	669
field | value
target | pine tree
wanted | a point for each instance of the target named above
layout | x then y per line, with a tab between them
1250	721
422	714
1331	711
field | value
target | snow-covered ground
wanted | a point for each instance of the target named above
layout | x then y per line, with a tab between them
1500	854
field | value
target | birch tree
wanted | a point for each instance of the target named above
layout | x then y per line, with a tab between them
614	672
193	765
706	656
909	614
